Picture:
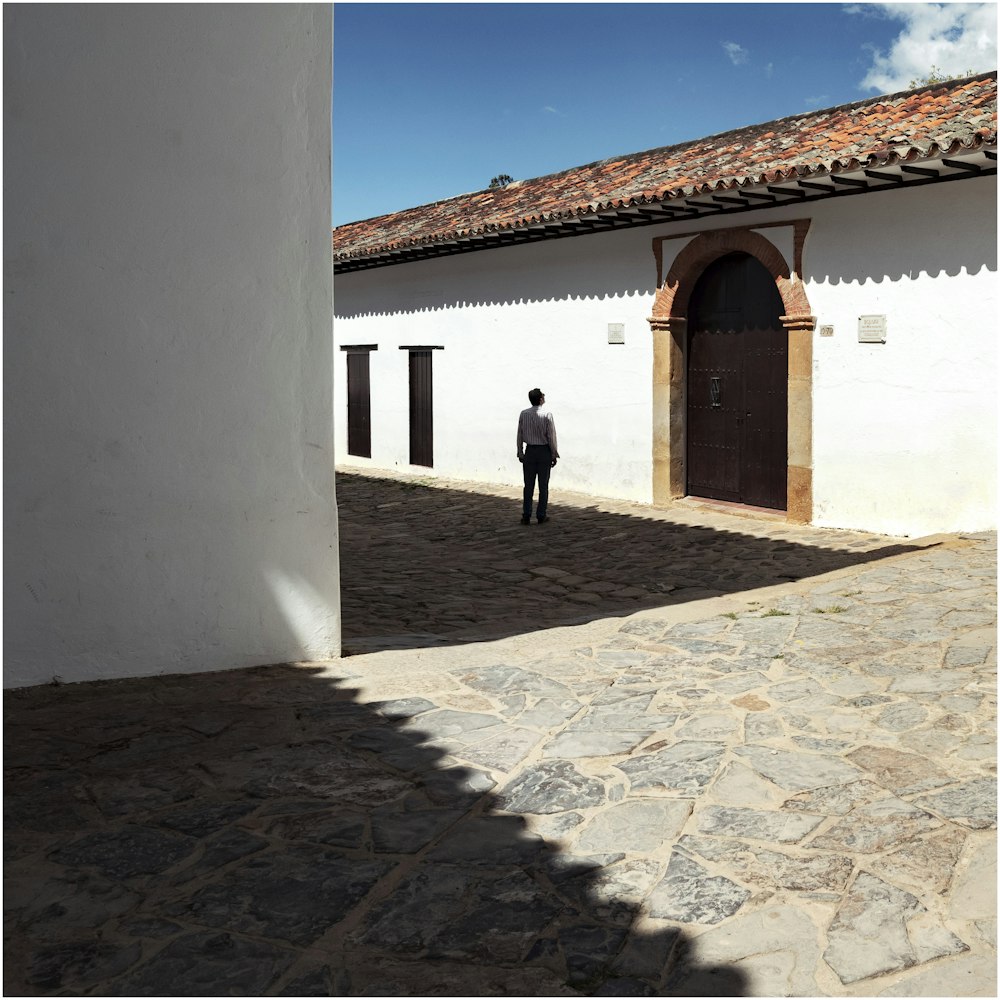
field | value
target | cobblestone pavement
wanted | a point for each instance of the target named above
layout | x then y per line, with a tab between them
431	562
772	777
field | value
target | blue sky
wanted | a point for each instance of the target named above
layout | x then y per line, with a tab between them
433	100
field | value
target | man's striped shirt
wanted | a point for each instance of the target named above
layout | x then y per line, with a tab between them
536	426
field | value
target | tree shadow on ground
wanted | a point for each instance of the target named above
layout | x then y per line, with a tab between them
265	832
425	565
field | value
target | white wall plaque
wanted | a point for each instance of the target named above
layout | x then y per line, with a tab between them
871	329
616	333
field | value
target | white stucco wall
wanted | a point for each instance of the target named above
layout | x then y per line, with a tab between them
904	434
508	320
168	443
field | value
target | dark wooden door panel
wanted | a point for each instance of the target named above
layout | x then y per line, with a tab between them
359	410
737	378
765	458
421	409
715	404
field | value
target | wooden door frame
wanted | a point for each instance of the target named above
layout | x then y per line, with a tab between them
669	329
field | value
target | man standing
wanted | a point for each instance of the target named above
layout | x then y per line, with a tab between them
537	452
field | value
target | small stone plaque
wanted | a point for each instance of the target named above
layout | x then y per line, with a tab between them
826	331
616	333
871	329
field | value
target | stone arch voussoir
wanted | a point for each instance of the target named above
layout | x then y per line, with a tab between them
672	297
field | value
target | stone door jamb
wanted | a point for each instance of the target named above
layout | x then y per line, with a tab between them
669	329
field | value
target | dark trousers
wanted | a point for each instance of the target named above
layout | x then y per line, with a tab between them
537	465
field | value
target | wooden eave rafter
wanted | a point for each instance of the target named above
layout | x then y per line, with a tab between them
722	199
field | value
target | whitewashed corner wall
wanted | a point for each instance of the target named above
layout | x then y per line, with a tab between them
904	433
169	440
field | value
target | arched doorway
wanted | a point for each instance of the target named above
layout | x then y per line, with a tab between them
737	385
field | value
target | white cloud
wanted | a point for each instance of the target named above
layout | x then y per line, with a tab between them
951	37
736	53
548	109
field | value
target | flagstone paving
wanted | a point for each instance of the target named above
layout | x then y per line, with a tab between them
769	787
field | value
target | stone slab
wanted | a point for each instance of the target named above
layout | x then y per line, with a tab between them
756	824
962	976
458	913
771	953
973	804
687	893
686	766
551	787
876	827
127	853
635	825
208	964
295	896
797	771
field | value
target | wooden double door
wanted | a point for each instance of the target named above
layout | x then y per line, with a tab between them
737	385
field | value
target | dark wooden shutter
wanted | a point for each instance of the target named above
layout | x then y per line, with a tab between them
421	409
359	406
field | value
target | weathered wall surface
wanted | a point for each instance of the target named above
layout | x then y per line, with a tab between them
904	433
169	483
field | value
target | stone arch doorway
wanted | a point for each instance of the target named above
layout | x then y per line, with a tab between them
669	325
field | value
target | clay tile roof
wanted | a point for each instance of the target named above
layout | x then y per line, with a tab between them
939	120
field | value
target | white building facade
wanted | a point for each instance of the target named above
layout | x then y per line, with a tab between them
887	314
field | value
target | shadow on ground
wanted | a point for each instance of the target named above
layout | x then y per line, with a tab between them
263	832
425	565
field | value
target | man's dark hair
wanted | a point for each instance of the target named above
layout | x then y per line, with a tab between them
535	396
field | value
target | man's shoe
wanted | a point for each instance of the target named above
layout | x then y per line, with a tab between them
525	520
542	520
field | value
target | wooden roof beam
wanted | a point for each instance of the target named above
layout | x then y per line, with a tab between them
813	186
791	193
849	181
879	175
921	171
702	208
963	165
657	213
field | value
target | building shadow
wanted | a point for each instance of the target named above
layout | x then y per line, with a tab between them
267	832
427	565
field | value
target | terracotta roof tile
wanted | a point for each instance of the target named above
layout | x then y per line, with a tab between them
930	121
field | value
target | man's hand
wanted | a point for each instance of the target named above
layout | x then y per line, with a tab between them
520	457
554	462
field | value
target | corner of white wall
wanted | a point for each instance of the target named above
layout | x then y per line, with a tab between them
169	440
